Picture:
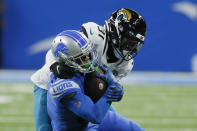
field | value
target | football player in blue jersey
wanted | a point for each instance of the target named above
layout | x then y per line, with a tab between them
116	43
69	108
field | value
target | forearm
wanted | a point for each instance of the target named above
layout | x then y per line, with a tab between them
84	107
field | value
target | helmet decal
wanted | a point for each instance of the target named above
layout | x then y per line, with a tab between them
75	36
61	47
124	14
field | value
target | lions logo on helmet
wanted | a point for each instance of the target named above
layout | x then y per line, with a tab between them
75	50
61	48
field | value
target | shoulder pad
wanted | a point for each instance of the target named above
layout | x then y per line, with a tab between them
92	29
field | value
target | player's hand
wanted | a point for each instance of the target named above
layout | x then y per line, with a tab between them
107	77
115	90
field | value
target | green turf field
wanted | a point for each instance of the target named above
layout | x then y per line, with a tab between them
155	107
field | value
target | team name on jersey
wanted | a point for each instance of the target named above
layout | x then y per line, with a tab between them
60	87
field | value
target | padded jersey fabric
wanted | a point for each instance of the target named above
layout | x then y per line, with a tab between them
97	36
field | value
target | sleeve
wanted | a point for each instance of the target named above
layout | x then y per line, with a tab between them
62	88
84	107
68	92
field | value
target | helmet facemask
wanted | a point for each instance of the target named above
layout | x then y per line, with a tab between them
84	63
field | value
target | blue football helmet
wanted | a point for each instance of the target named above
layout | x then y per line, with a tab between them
75	50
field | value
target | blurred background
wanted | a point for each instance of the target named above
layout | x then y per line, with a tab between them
160	92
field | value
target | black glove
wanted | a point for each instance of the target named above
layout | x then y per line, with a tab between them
61	70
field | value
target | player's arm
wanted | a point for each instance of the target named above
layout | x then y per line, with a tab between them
85	108
68	92
123	69
115	90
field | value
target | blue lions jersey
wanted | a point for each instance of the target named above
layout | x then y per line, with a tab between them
69	108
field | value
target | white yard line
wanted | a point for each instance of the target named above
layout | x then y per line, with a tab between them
5	99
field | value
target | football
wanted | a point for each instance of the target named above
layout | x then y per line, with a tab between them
94	87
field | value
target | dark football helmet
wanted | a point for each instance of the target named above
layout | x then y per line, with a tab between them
126	30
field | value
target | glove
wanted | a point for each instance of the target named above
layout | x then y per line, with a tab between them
61	70
115	90
107	77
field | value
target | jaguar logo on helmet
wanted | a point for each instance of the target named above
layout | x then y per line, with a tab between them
124	14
